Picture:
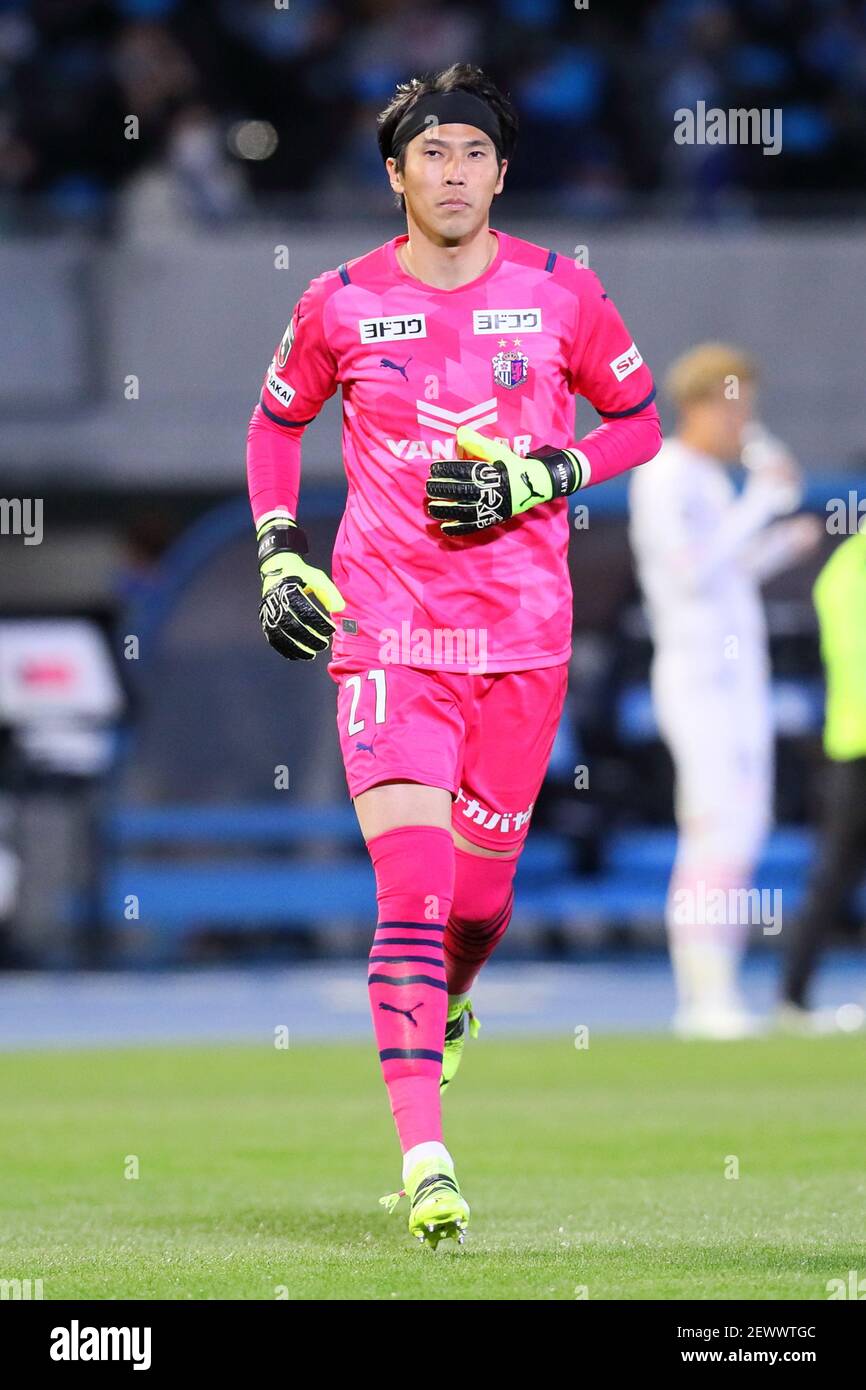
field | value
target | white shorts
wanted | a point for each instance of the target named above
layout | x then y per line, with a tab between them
717	724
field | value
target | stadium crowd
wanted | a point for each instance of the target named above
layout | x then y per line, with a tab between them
596	88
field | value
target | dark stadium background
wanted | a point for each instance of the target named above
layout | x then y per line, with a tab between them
173	260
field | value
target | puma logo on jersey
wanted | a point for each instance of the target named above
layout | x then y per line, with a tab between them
385	362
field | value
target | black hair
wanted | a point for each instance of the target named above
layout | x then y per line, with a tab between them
460	77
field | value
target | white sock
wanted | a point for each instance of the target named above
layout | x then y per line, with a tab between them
706	975
431	1149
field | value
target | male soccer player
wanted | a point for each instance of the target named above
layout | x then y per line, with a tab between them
458	349
701	552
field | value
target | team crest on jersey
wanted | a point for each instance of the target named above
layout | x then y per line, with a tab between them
510	368
286	345
388	330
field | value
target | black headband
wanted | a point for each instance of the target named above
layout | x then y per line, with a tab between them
447	108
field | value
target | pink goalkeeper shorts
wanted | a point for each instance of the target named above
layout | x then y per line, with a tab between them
485	738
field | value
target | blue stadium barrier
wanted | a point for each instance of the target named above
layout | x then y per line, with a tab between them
193	866
249	892
259	824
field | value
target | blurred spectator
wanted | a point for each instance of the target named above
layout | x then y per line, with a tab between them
597	95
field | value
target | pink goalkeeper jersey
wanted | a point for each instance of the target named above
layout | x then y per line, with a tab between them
504	354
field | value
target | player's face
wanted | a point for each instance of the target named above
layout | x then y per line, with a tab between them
721	421
449	180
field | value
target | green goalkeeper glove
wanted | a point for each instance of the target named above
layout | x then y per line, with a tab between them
494	484
294	626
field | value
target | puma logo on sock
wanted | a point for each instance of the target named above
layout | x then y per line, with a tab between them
392	1008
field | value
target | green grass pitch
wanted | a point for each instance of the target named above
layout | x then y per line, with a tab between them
601	1169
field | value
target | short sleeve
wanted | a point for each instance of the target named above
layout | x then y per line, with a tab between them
604	364
302	374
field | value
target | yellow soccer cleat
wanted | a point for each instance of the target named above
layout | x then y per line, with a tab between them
437	1208
455	1031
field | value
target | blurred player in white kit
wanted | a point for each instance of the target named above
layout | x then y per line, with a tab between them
702	551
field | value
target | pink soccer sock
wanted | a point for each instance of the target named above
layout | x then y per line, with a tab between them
480	913
414	866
